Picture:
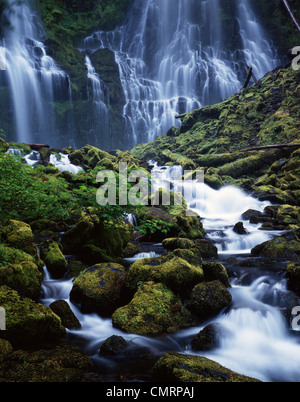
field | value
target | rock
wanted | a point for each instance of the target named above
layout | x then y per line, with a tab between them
54	259
89	157
5	349
60	364
206	248
215	271
23	277
239	229
28	323
99	289
209	299
209	338
131	250
174	367
154	310
113	345
285	246
19	235
175	272
64	312
293	275
177	243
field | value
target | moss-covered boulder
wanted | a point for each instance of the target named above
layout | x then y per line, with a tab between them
173	271
28	323
89	157
174	367
293	275
215	271
209	299
99	289
286	246
206	248
208	338
24	277
5	349
68	319
95	241
131	250
113	345
19	235
177	243
153	310
54	259
60	364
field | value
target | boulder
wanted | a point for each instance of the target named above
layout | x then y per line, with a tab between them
154	310
23	277
208	299
206	248
239	229
60	364
293	275
54	259
286	246
99	289
175	367
209	338
113	345
215	271
175	272
28	324
68	319
177	243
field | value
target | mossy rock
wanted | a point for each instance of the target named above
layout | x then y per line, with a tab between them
60	364
293	275
10	255
89	157
208	299
68	319
99	289
175	272
5	349
177	243
4	146
215	271
19	235
113	345
206	248
286	246
131	250
24	277
28	323
174	367
54	259
208	338
154	310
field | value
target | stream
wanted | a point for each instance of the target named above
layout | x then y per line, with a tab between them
257	339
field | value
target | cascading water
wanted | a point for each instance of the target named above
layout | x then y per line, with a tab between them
34	79
186	62
99	115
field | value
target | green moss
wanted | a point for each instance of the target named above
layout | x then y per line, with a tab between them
175	272
177	243
153	310
99	289
175	367
24	277
285	246
54	259
28	323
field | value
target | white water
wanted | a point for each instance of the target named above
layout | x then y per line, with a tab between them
62	162
99	115
186	62
34	79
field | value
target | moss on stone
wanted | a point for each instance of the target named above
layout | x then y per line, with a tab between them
99	289
285	246
175	367
173	271
177	243
209	299
28	323
24	277
153	310
54	259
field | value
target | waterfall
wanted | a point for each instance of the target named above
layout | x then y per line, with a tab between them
35	80
99	116
186	62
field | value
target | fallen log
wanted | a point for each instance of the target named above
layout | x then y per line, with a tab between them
291	14
262	147
249	75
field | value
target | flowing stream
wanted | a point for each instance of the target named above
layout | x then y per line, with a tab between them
257	339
